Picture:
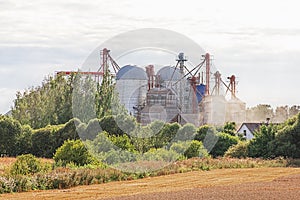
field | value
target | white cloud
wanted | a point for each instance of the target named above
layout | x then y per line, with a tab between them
39	37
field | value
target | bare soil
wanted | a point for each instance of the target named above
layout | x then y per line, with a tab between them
255	183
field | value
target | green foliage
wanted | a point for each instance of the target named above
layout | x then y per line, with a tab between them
180	147
203	131
92	130
10	130
165	135
224	142
230	128
260	113
28	164
260	145
119	124
185	133
60	97
105	95
287	139
114	157
84	101
46	104
240	150
73	151
69	131
141	139
161	155
44	141
122	142
24	141
195	149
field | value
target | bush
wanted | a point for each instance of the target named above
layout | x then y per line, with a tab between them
224	142
161	155
260	145
239	150
28	164
119	156
92	130
10	129
73	151
44	141
180	147
195	149
203	131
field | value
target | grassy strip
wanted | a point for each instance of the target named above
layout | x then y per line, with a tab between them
61	178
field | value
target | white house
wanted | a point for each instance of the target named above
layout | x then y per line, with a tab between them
248	129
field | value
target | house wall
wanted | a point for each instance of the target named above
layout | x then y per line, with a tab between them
249	134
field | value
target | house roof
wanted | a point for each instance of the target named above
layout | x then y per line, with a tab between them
251	126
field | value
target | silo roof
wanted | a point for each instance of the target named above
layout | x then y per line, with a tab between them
166	73
131	72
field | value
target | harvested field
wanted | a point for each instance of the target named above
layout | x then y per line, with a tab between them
254	183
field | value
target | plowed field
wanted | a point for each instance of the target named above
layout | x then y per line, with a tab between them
255	183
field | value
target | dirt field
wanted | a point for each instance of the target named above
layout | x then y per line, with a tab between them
256	183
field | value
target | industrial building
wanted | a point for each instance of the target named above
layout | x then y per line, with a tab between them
176	93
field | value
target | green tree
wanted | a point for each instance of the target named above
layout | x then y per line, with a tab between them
202	131
287	139
294	110
240	150
46	104
259	113
10	130
225	141
24	141
185	133
44	141
230	128
195	149
260	145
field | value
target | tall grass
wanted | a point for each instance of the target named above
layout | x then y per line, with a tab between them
66	177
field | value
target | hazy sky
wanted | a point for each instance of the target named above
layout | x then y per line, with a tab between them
258	41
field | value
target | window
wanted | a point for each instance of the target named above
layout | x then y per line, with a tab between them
245	133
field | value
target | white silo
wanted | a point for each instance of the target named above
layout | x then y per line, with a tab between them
131	85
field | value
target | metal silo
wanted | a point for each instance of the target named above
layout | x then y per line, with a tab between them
236	111
131	85
169	76
213	110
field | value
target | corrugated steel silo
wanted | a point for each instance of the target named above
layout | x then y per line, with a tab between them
131	84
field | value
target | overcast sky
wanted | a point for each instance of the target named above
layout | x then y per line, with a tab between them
258	41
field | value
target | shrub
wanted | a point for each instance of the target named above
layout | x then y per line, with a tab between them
195	149
203	131
44	141
10	129
119	156
73	151
161	155
28	164
180	147
239	150
260	145
92	129
224	142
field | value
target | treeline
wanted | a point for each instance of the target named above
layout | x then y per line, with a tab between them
42	119
111	143
105	136
62	97
272	141
280	114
